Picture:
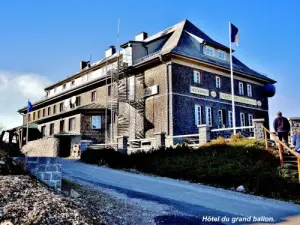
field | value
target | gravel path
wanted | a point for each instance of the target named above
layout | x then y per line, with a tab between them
23	200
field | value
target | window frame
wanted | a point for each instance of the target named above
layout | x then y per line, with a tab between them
44	112
61	107
131	88
93	96
78	101
72	83
49	110
38	114
198	114
109	90
64	87
212	49
71	128
242	115
249	90
197	77
230	119
54	109
208	116
51	129
224	54
222	122
218	85
250	121
43	131
94	119
33	116
241	88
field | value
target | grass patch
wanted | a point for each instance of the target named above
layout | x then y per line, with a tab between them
219	163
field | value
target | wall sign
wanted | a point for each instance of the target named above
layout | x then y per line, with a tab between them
199	91
239	99
153	90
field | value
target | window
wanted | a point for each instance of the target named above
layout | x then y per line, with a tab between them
61	106
131	85
28	117
72	82
77	101
93	96
38	114
249	90
218	82
64	86
33	116
109	90
198	114
241	88
61	126
71	124
243	122
230	123
43	131
54	90
221	55
209	116
197	77
44	112
54	109
51	129
221	118
210	51
96	122
49	111
250	122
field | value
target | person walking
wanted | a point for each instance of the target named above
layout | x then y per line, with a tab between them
282	128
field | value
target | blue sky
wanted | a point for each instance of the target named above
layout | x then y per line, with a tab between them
42	42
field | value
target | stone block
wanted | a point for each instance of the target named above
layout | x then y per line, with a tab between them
40	176
43	160
41	168
32	166
56	176
53	160
51	168
59	167
47	176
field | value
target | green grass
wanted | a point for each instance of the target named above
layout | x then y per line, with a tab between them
218	163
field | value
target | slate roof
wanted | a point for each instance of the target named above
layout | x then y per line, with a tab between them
184	39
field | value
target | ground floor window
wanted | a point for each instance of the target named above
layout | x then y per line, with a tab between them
250	121
51	129
242	119
221	118
43	131
209	116
96	122
198	115
71	124
62	126
230	123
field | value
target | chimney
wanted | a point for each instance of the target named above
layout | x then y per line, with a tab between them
84	64
141	36
110	51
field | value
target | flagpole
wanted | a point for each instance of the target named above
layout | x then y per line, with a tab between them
27	128
232	83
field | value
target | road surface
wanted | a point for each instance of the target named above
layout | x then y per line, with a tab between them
201	204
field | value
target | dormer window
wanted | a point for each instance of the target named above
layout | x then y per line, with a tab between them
64	86
210	51
72	82
221	55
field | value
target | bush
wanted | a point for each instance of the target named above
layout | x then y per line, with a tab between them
219	163
236	137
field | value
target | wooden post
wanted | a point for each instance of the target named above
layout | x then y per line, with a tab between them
298	159
266	139
280	154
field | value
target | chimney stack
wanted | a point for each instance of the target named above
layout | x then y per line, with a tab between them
110	51
84	64
141	36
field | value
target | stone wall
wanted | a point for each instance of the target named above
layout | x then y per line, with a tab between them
46	169
45	147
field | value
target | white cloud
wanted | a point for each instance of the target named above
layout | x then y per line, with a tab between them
15	90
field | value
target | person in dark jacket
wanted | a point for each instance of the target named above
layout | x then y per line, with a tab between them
282	128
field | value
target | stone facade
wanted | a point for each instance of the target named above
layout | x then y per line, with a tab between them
46	169
45	147
184	101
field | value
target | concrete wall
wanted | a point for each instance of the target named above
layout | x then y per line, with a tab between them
45	147
46	169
